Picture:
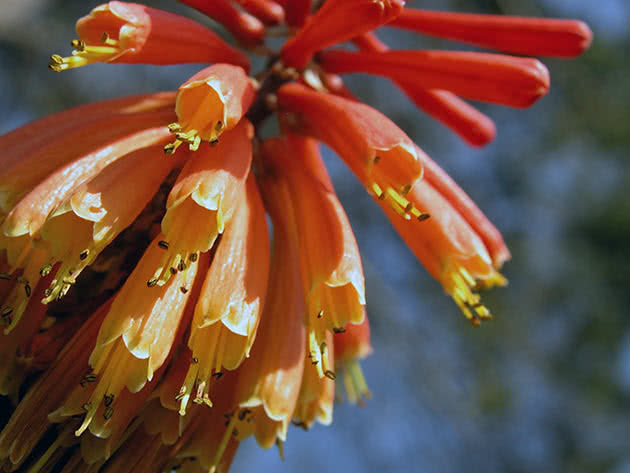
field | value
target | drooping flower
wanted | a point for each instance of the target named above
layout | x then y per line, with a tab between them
140	288
120	32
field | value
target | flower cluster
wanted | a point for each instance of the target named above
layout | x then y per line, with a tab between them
149	320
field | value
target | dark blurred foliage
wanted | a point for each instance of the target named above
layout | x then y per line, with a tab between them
543	387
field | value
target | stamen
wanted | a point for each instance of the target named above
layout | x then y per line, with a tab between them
106	39
223	445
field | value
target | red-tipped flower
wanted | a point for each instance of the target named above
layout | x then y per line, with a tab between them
506	80
512	34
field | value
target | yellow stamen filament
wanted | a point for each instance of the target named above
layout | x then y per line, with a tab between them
84	54
224	442
318	353
206	369
399	204
354	382
460	284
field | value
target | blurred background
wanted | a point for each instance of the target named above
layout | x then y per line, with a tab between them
543	387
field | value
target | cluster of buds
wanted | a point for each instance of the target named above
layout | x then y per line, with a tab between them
140	286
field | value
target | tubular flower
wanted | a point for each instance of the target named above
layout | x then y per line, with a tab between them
379	153
449	249
493	78
209	103
465	120
513	34
330	265
141	295
121	32
330	26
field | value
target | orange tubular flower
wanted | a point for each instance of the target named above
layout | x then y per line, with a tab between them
494	78
209	103
465	120
199	335
450	250
121	32
228	311
330	265
459	200
380	154
351	346
512	34
330	26
203	200
269	382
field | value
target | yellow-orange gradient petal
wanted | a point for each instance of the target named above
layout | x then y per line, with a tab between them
203	200
272	375
98	211
317	395
37	150
135	337
330	264
122	32
228	311
450	250
209	103
380	154
30	213
235	287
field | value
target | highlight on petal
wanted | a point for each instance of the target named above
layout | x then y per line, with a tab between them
229	306
330	264
35	151
212	101
98	211
270	379
512	34
494	78
450	250
468	122
379	153
121	32
244	26
330	25
266	11
203	200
